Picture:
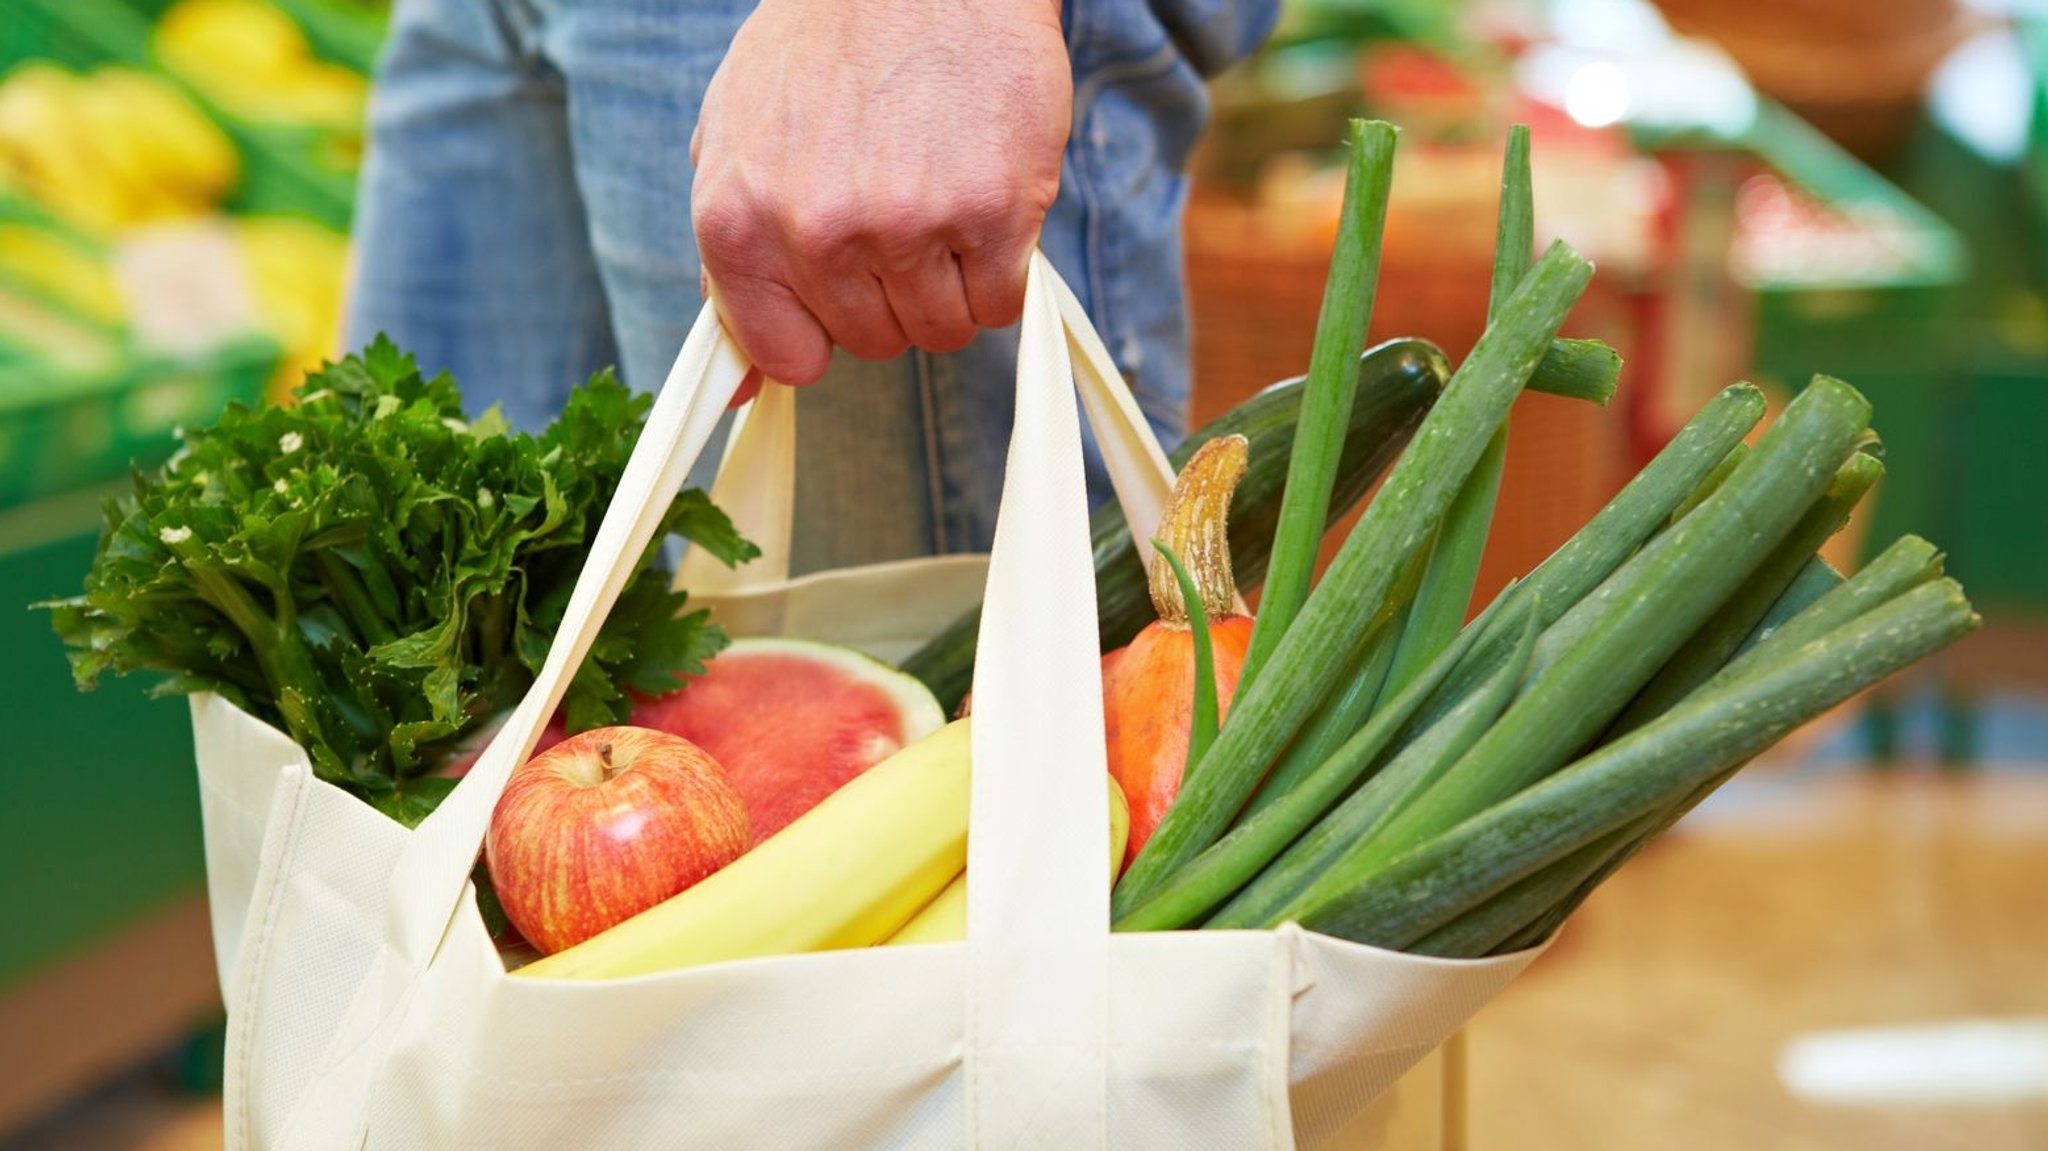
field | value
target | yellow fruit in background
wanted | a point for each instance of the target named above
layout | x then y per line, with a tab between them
41	142
243	40
250	58
111	149
176	139
323	94
65	272
296	272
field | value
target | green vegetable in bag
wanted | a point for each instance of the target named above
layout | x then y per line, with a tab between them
376	574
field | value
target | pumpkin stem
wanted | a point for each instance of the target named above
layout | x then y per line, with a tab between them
1196	525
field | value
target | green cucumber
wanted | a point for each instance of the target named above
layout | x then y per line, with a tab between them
1397	382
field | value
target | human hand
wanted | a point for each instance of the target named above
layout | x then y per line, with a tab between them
873	173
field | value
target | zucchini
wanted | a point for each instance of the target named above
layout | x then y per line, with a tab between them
1397	382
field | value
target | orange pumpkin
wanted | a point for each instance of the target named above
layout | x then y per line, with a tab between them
1148	686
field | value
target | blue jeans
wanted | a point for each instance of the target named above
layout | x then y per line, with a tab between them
525	221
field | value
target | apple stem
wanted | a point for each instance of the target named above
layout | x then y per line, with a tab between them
604	758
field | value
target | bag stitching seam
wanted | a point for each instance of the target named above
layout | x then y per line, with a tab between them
478	1072
287	853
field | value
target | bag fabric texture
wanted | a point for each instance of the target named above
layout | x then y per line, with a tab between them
368	1008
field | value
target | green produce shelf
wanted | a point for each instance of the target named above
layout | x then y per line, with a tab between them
61	429
99	812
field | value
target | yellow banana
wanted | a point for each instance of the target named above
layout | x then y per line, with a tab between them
322	95
252	59
944	919
41	133
183	149
204	40
110	149
847	873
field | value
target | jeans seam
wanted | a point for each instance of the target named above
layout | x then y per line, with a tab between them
1105	310
934	459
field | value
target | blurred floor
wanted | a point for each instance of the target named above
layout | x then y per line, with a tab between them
1787	906
1826	897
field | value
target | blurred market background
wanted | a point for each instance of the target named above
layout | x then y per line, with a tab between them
1844	949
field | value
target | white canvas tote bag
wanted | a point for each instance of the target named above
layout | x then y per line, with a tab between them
368	1008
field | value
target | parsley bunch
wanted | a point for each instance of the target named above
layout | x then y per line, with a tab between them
378	575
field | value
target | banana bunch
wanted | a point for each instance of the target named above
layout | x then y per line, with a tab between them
254	61
110	149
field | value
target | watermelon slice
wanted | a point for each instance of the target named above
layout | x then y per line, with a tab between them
791	721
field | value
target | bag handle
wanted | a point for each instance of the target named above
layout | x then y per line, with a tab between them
1037	1023
756	488
428	881
756	484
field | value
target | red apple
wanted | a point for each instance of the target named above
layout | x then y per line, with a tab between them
605	825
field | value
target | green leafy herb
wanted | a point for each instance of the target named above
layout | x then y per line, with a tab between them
378	575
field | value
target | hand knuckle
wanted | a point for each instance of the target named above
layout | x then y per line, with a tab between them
819	231
724	224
